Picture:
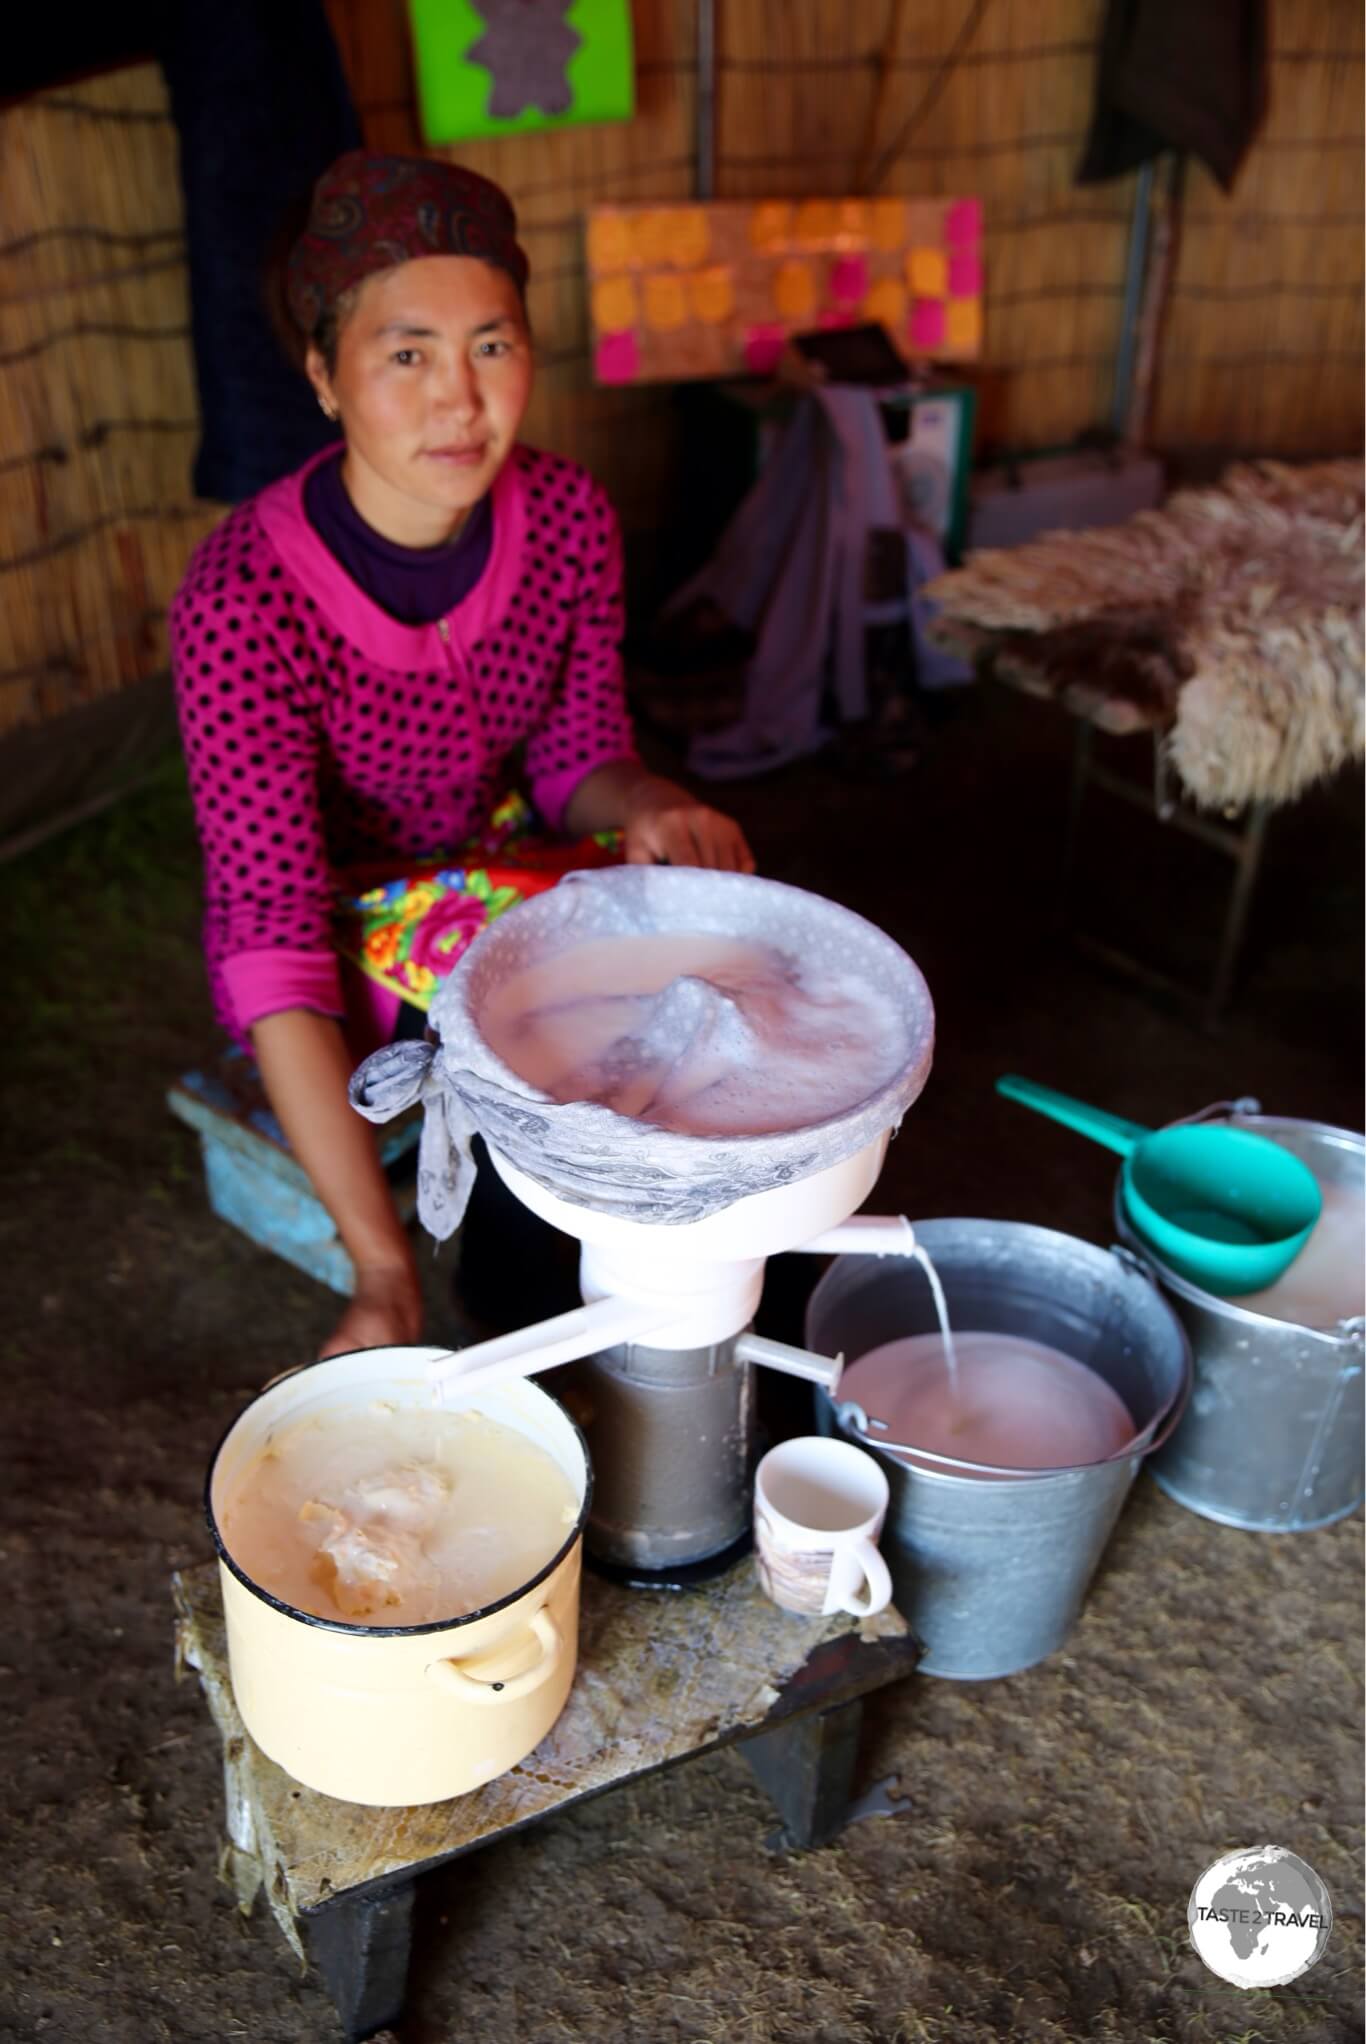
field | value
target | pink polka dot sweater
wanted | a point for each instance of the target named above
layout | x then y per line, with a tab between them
321	733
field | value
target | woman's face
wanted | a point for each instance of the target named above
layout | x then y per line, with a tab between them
432	378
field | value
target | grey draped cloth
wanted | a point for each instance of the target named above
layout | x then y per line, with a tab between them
405	1075
790	569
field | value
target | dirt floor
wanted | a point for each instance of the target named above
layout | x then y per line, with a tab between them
1037	1885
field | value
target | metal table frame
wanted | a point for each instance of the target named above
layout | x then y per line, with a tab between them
1242	842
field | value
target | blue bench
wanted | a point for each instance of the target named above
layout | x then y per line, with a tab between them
256	1183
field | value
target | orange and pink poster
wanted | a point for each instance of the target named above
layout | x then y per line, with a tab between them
690	291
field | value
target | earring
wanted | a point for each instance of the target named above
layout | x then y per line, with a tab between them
326	409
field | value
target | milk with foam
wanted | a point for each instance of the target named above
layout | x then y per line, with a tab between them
1327	1281
698	1033
385	1515
1009	1402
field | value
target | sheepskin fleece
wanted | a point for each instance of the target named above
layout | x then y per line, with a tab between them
1231	619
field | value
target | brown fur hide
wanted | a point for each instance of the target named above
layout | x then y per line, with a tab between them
1231	619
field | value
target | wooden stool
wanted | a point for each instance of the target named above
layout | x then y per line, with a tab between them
660	1677
254	1180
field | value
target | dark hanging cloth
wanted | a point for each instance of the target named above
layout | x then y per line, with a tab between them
262	107
57	46
1185	75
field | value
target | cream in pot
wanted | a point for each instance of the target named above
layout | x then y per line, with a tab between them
389	1515
400	1713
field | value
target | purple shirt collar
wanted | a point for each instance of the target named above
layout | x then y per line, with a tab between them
415	585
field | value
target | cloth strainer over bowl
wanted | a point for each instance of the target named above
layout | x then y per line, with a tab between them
687	1042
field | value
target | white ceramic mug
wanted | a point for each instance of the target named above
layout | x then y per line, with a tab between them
819	1507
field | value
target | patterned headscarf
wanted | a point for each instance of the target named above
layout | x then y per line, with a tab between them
371	212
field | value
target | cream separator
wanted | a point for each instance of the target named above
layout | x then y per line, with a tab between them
675	1227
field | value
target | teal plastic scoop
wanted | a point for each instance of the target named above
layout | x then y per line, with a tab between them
1227	1210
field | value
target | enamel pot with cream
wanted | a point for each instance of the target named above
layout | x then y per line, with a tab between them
400	1714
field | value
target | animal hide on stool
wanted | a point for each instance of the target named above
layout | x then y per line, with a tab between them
1231	619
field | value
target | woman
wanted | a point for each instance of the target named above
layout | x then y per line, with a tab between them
360	649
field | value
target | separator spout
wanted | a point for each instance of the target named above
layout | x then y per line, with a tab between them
794	1362
528	1350
864	1235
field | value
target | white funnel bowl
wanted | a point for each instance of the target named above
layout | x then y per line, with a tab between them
707	1274
675	1226
582	1154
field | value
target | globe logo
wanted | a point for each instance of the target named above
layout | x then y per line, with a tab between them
1260	1918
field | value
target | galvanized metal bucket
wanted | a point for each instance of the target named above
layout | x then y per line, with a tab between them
1272	1439
991	1575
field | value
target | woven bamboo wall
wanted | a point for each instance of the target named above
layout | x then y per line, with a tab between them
97	398
1262	347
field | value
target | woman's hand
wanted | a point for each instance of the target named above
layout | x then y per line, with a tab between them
664	824
385	1311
